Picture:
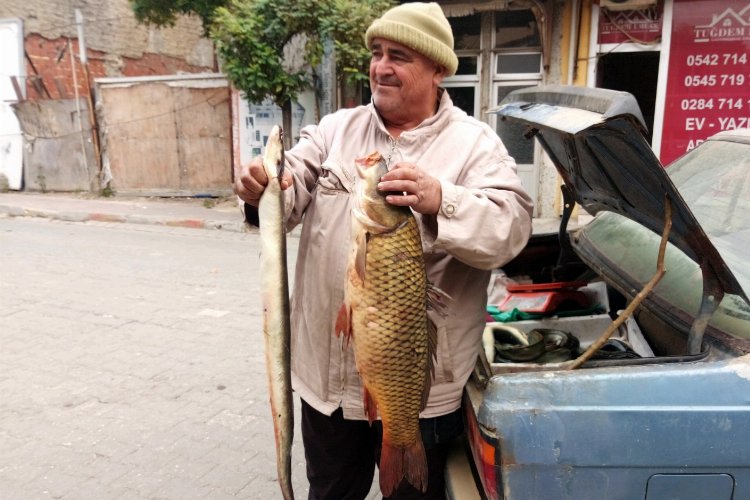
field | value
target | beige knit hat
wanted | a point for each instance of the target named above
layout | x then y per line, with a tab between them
420	26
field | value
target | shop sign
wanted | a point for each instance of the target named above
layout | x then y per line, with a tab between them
637	26
708	87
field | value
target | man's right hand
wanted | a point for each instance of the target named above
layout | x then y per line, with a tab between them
252	180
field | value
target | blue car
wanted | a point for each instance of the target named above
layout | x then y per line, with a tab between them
636	383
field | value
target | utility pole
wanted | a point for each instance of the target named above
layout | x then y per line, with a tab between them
89	92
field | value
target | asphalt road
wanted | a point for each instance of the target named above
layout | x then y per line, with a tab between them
131	364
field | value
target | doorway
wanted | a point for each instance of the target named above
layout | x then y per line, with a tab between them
634	72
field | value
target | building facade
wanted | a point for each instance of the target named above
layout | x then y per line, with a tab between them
687	62
52	54
43	40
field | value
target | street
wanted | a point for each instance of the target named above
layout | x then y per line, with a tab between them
132	365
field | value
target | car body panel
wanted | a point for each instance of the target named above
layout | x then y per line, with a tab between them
594	137
675	422
603	433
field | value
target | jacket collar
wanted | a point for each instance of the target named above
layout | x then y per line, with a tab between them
428	126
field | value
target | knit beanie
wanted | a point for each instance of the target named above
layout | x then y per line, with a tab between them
420	26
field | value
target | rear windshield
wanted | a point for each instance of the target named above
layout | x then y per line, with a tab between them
714	180
634	249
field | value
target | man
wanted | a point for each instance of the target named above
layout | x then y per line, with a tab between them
458	178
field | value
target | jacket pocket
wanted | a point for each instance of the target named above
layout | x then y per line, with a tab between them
334	178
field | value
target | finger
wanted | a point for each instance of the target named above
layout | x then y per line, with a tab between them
249	188
404	164
286	180
251	182
256	176
406	200
402	171
408	186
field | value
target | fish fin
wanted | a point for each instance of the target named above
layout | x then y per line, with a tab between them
415	465
360	259
371	406
397	463
429	376
437	300
343	323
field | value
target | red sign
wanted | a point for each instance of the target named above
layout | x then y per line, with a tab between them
638	26
708	88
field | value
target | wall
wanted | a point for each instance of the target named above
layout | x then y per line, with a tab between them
116	44
52	73
53	77
58	153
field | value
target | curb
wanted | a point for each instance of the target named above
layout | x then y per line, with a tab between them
14	211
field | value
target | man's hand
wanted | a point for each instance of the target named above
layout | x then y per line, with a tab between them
422	192
252	180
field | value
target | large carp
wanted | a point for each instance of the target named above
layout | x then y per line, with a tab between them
385	316
276	324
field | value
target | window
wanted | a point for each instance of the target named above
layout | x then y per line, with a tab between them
516	29
510	47
522	63
517	63
464	86
512	134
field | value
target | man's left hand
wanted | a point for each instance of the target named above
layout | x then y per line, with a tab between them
422	192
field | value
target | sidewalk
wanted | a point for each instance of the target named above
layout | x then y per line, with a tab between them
199	213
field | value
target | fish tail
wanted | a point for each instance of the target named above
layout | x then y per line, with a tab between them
399	462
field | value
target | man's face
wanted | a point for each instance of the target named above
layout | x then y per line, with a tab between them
403	82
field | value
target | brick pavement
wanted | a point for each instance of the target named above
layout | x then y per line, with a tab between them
130	364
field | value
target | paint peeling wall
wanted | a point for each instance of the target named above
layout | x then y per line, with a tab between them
111	27
116	44
58	153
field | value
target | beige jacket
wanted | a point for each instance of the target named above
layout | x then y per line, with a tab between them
484	221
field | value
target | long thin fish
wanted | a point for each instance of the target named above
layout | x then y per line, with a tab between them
276	325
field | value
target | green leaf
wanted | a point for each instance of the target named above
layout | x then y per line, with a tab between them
249	36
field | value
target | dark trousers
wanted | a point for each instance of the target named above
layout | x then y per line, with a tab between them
341	455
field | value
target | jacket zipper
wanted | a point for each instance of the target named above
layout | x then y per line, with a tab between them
394	147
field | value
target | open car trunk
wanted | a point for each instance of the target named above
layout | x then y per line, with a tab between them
659	407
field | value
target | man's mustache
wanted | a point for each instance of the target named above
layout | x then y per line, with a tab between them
388	81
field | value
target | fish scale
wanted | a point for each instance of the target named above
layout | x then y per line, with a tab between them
385	312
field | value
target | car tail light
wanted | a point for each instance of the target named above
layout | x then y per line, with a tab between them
484	455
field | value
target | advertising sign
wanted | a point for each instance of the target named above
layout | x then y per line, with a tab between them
637	26
708	88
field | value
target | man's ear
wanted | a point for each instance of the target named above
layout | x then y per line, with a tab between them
439	75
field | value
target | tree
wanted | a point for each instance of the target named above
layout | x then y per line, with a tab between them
255	38
165	12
